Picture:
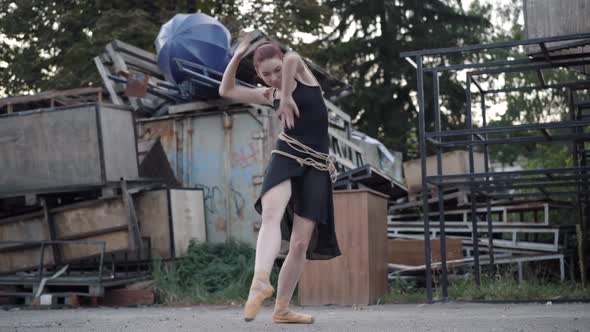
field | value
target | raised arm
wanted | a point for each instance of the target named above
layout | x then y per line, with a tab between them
292	65
228	87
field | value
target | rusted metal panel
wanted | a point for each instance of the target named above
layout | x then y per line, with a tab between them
153	215
119	144
188	219
49	149
64	148
227	164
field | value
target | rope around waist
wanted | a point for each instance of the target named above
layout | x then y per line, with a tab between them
326	162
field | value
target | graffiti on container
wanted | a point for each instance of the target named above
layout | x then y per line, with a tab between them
242	158
215	200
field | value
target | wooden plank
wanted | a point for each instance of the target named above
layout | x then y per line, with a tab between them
345	141
359	275
136	51
55	249
188	219
119	144
24	259
127	297
377	242
153	214
332	107
455	162
47	95
133	223
580	236
545	18
101	220
119	65
104	74
200	106
150	67
103	214
411	252
115	242
26	229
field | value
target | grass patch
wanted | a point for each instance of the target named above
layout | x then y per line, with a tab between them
507	288
402	291
499	287
212	273
220	273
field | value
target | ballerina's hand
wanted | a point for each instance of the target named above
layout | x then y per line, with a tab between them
288	111
244	45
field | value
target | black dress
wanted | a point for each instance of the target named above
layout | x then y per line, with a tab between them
311	189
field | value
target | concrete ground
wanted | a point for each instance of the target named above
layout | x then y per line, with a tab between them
436	317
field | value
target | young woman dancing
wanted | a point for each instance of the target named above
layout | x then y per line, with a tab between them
296	197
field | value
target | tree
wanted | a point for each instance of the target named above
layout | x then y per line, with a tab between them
364	48
49	44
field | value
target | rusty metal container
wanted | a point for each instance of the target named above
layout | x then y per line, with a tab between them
66	148
224	153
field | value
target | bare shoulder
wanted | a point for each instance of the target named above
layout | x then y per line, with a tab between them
303	74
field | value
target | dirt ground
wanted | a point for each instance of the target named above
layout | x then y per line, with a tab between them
436	317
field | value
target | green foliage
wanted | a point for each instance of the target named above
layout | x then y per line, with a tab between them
402	291
47	44
283	18
210	273
364	49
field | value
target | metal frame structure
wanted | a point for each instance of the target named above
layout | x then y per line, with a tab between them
78	275
494	185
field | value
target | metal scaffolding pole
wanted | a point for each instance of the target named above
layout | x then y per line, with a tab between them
422	143
441	208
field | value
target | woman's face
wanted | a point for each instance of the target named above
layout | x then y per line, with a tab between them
270	71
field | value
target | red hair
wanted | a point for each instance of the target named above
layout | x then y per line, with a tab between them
265	51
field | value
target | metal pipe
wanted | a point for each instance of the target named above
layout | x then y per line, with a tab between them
488	200
516	173
422	143
530	67
529	139
581	84
472	48
472	188
506	129
441	206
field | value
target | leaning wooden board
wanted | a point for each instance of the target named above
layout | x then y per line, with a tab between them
100	220
411	252
170	218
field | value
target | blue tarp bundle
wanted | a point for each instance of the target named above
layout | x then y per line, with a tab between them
196	38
